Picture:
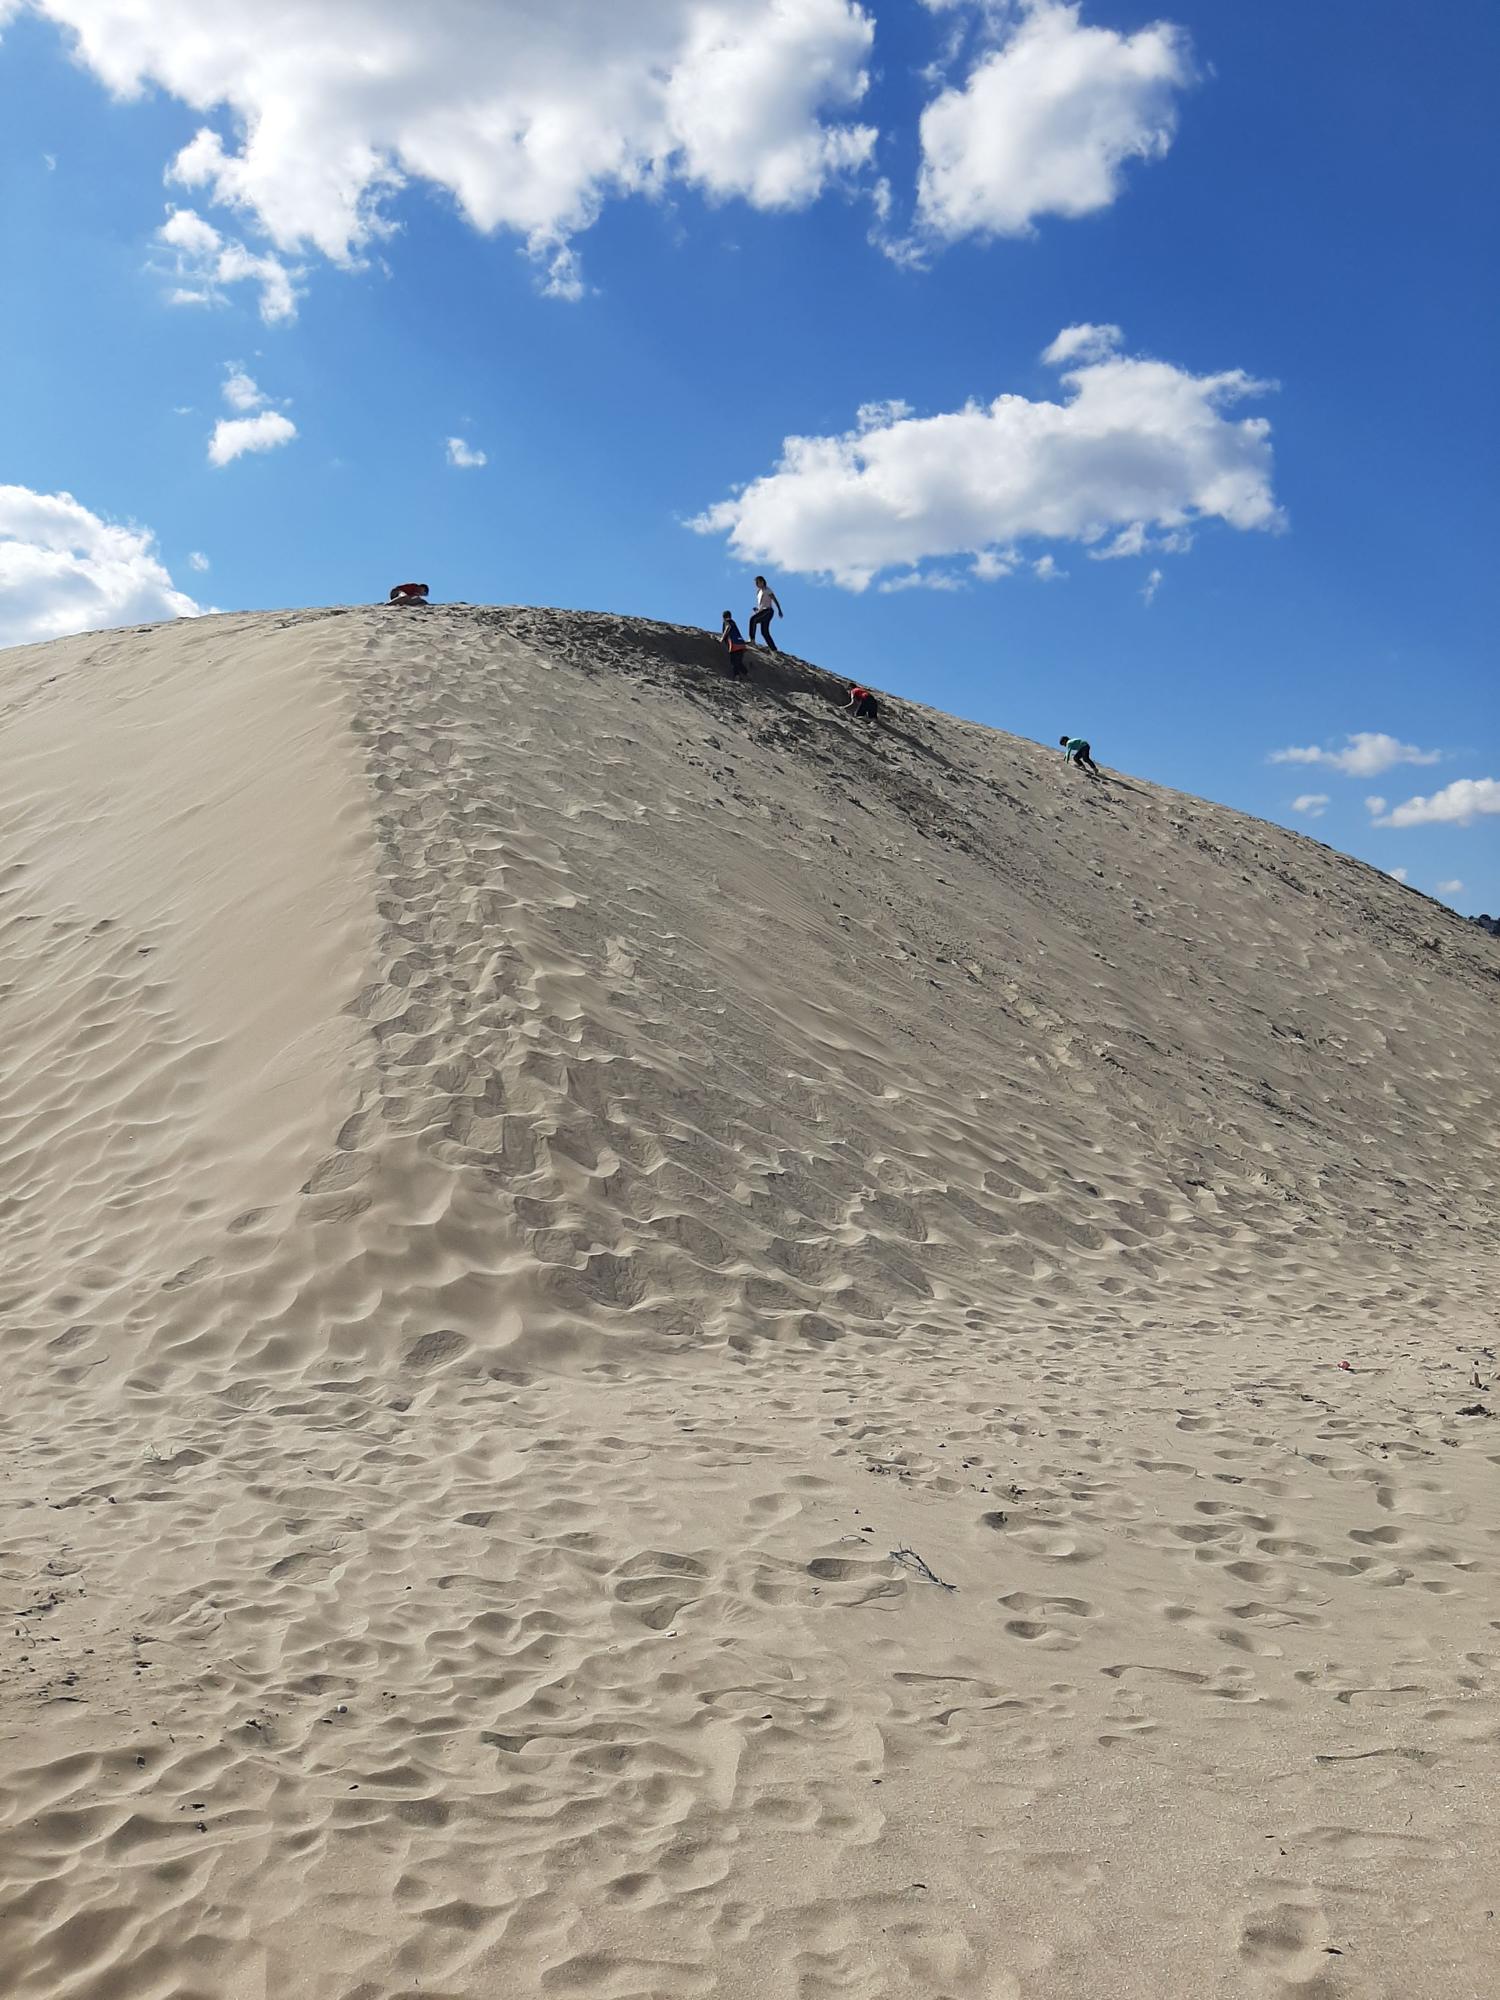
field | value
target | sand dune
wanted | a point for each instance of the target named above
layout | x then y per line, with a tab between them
657	1347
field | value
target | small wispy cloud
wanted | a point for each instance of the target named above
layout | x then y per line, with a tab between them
990	564
564	270
204	261
197	560
1150	587
1084	342
1397	874
921	579
1453	888
1365	754
1136	539
1312	804
241	391
462	453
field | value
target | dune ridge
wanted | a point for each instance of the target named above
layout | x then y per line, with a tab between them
660	1347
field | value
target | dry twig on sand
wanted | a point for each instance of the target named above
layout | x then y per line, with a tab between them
909	1559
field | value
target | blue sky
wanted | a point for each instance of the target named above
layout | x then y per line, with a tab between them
728	225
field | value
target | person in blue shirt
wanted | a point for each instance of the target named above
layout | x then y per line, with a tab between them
733	641
1075	750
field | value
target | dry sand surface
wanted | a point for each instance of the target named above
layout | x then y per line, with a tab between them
659	1347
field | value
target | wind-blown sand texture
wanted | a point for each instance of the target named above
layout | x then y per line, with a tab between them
530	1174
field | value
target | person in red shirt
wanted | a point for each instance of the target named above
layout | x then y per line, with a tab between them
863	703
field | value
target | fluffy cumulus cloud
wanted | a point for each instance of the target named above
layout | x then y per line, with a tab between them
1455	805
202	261
464	455
64	569
234	436
1453	888
1365	754
258	427
1133	445
1046	121
318	111
1312	805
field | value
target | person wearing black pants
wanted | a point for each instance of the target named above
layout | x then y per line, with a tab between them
766	602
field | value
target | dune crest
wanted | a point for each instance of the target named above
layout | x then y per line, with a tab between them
657	1346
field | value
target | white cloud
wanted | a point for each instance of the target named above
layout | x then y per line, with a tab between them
1397	874
1454	888
1045	568
234	436
1150	587
991	564
1375	803
64	569
460	453
564	279
875	416
1454	805
529	116
1136	540
1365	754
922	579
241	392
1084	342
264	431
1136	441
1313	804
197	560
204	261
1045	123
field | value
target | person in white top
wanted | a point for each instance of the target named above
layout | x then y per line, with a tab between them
766	603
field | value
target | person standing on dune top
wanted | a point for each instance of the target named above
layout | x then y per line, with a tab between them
766	602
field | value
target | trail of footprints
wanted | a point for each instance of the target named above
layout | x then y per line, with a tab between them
432	1597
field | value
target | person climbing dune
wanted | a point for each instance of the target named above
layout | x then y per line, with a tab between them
767	603
408	593
733	641
1076	750
864	705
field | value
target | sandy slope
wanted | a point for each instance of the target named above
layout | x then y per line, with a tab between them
527	1172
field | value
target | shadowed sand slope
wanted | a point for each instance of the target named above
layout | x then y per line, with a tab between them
659	1346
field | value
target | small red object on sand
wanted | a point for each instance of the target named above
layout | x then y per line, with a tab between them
1348	1366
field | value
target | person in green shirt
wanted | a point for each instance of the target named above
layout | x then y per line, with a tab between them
1076	751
